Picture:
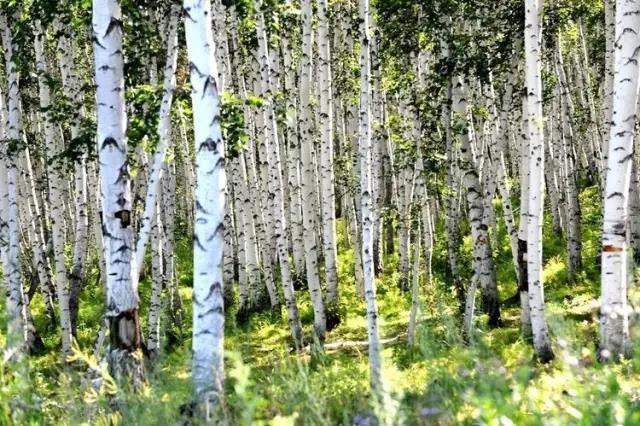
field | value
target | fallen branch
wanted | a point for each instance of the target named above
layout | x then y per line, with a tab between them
353	344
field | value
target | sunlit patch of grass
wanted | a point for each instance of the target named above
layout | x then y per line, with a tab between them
495	380
555	272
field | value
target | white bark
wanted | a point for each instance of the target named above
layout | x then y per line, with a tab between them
164	134
483	265
16	311
71	85
610	27
574	235
293	159
157	281
56	180
327	179
614	308
366	201
534	133
115	191
309	195
208	309
415	290
275	194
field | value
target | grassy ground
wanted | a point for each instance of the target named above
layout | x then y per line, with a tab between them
494	381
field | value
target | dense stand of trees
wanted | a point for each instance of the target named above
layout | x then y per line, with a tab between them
390	117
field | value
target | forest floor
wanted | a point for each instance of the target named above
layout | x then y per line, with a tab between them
494	381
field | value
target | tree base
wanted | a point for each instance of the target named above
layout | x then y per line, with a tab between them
126	367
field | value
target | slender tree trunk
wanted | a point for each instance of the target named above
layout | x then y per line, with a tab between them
451	199
56	180
327	179
483	261
275	186
16	311
74	95
534	133
293	160
309	196
609	59
157	282
366	199
164	138
574	234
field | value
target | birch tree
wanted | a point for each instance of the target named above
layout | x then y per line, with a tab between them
115	191
16	311
208	240
535	181
327	179
308	175
614	307
366	200
56	182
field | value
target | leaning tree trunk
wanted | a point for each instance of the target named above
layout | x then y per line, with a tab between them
73	93
56	181
115	190
208	240
614	308
164	137
535	182
483	265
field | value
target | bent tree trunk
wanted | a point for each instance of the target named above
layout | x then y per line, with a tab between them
483	265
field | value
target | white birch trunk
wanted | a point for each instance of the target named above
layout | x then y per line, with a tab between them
574	234
327	179
157	281
56	180
482	258
293	159
366	213
614	307
275	194
208	309
115	191
164	138
71	85
610	25
309	195
16	311
415	289
534	133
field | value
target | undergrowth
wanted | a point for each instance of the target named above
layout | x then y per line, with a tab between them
494	381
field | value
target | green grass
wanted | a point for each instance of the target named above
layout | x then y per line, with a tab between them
495	381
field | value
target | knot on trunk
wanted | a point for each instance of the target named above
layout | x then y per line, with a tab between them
125	217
